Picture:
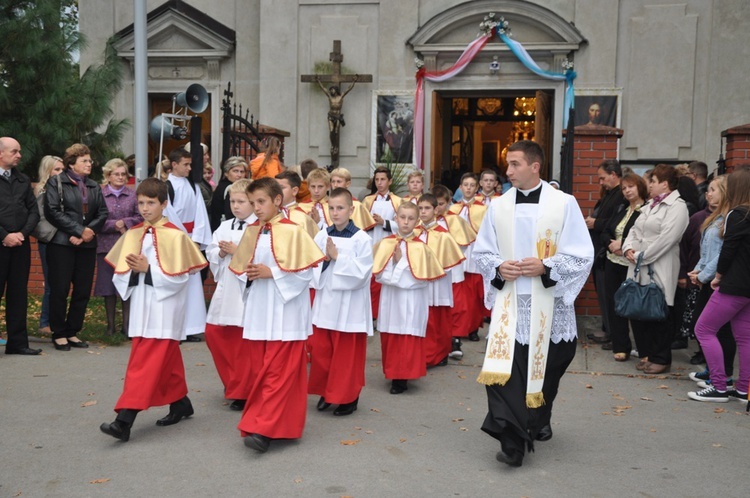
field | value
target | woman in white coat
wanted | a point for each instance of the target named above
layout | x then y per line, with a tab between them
656	236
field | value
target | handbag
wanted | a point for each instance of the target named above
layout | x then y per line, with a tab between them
641	302
44	230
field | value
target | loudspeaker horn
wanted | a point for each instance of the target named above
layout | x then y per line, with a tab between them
162	129
194	98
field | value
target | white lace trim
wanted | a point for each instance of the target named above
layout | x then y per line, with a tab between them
564	327
570	273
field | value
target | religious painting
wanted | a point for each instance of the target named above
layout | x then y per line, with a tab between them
393	122
598	107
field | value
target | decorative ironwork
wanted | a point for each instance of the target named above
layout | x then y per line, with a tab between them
240	135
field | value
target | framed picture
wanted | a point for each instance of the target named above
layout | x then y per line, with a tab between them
393	127
598	106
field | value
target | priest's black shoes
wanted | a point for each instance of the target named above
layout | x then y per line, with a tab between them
513	460
177	411
117	429
24	351
544	434
257	442
237	405
346	408
398	386
322	404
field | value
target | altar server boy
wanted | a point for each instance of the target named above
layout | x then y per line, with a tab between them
275	261
224	319
290	183
341	311
152	263
341	178
318	181
404	265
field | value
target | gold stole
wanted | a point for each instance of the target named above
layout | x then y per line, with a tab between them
175	252
422	262
298	215
476	212
498	359
446	249
460	229
293	250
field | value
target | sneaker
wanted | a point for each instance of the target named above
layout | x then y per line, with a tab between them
707	383
710	395
699	376
739	396
634	353
456	353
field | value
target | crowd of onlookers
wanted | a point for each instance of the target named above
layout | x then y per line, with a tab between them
688	232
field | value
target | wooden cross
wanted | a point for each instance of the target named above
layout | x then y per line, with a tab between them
336	95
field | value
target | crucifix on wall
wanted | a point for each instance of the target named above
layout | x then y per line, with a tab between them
331	84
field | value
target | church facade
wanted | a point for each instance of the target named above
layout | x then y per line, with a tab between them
669	73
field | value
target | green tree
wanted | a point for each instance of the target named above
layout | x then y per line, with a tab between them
45	103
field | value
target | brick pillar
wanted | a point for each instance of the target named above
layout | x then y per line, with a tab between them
738	146
592	145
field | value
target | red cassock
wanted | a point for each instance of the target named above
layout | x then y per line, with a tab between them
276	405
337	370
229	352
403	356
437	341
468	305
375	297
155	375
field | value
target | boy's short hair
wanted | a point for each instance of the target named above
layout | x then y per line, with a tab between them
383	169
342	192
408	205
428	198
415	174
469	175
240	186
178	155
306	167
319	175
268	185
153	188
488	172
291	177
342	173
442	192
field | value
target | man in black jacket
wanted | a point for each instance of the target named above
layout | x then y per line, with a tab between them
610	175
19	215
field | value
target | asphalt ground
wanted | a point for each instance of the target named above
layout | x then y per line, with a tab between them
616	433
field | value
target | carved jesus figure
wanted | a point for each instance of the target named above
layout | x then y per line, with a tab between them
335	116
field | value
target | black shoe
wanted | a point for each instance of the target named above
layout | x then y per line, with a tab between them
474	336
346	408
698	358
443	362
78	344
322	405
679	344
61	347
117	429
487	319
398	386
257	442
513	460
607	346
237	405
177	411
23	351
544	434
193	338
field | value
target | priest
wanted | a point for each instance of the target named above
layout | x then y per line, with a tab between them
534	254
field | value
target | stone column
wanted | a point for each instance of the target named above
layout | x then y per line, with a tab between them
738	146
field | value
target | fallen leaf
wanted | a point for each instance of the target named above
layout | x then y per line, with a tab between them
368	432
589	386
298	480
716	445
606	413
663	387
99	481
90	394
200	364
719	410
646	399
402	440
463	429
461	376
421	433
374	410
88	403
653	430
357	428
350	442
458	420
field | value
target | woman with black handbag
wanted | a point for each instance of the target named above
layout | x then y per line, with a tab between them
655	237
635	191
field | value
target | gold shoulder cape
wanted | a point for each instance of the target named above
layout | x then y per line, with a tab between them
422	261
370	200
307	207
293	249
476	213
446	249
175	252
361	216
460	229
298	215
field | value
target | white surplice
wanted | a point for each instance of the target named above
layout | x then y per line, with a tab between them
457	272
156	311
383	206
469	266
278	308
342	300
227	306
404	300
441	290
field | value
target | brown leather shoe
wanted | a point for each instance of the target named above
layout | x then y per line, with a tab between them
655	368
643	363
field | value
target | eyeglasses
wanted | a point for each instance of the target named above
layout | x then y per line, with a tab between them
119	174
